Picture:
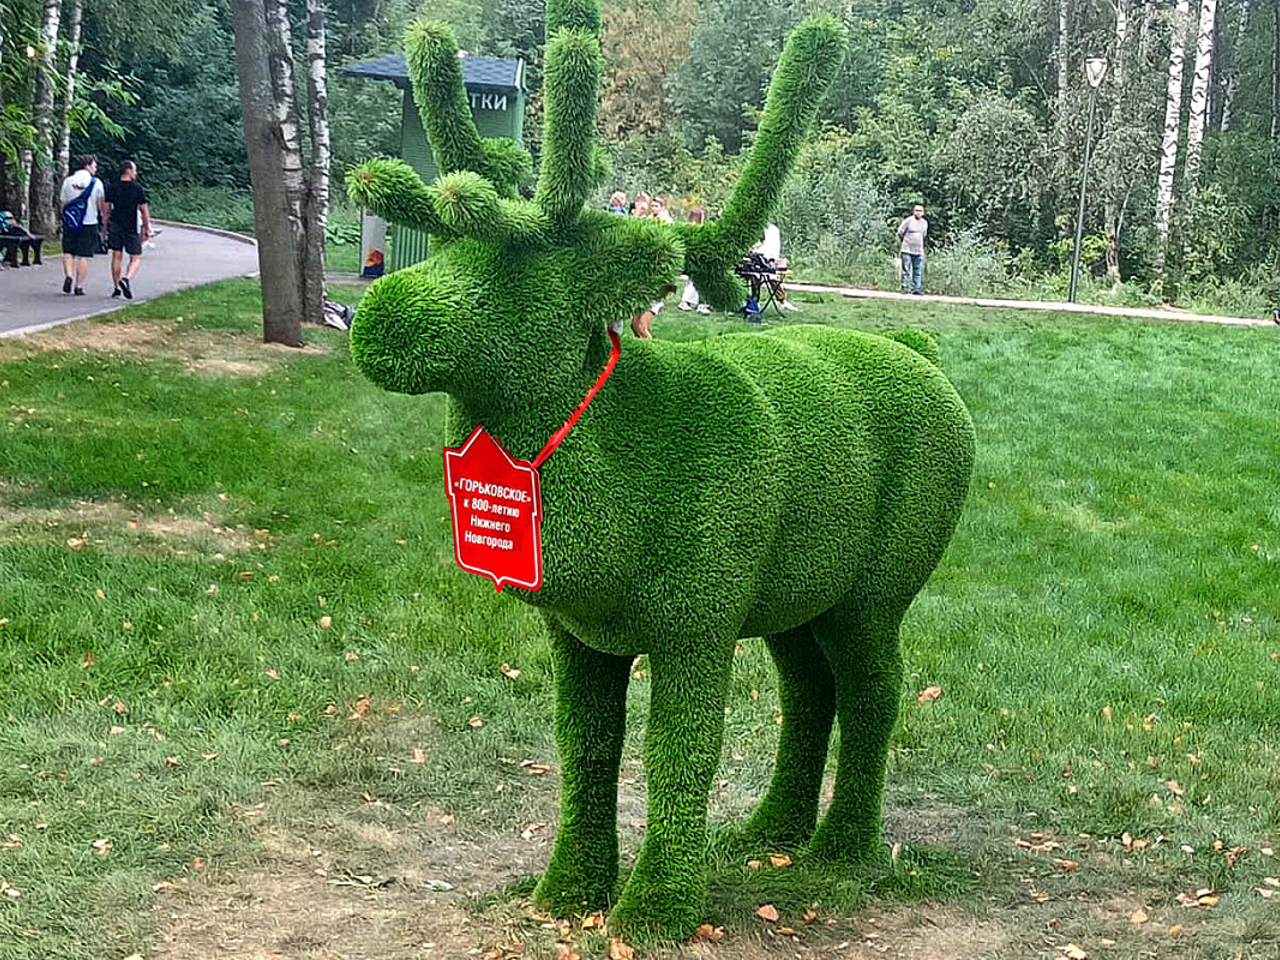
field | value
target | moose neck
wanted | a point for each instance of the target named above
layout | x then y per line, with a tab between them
520	411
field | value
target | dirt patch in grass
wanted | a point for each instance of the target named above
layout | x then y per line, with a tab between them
202	352
118	528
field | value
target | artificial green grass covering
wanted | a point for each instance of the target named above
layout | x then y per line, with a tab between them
800	487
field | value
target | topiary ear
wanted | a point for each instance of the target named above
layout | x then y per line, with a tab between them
468	204
395	192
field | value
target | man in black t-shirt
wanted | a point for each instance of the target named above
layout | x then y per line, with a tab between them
128	225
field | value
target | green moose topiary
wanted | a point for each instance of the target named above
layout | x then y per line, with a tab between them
799	485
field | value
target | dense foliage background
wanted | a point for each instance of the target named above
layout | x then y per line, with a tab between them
977	108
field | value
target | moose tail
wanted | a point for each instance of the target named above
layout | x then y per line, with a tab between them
921	342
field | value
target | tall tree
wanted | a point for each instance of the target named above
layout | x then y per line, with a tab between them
1172	128
317	205
69	88
1198	114
1275	70
41	173
1233	76
264	64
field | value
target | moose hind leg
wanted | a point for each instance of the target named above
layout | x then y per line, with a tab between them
786	816
861	645
591	706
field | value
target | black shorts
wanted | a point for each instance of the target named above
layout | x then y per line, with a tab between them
120	239
82	243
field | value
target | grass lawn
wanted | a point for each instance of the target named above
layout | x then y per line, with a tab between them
252	709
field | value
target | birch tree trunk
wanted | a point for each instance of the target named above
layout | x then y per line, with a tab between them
1112	211
1122	46
1197	116
1144	31
317	206
1275	70
1233	75
1062	56
43	219
69	95
272	170
1172	129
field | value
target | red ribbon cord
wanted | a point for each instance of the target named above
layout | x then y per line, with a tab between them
563	432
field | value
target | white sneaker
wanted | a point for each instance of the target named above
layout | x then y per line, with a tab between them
685	306
788	305
703	309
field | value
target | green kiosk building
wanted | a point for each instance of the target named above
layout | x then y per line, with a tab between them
495	87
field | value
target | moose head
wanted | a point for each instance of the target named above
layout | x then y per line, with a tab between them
515	285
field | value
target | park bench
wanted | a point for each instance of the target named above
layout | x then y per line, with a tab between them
28	245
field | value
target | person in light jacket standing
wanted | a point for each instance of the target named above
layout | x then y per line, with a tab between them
913	231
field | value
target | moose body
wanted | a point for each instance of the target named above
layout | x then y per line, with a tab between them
775	470
799	485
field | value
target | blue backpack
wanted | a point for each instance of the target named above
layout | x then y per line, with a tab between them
73	213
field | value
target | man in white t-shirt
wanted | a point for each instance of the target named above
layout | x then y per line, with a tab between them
78	246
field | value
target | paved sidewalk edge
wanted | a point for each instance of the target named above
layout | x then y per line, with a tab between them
1058	306
200	227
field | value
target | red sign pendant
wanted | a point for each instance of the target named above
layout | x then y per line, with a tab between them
497	512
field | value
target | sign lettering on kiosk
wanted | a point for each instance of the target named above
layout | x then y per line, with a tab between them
497	512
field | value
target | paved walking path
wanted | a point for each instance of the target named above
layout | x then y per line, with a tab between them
1165	313
31	298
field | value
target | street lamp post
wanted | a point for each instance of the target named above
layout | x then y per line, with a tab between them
1095	70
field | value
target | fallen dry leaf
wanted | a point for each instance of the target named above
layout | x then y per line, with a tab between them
1266	893
708	934
87	661
1234	854
754	864
419	755
360	710
350	656
593	921
120	707
1204	897
931	692
197	863
475	723
779	860
1067	865
1175	930
618	950
1176	790
1073	952
273	674
326	622
102	847
810	916
1138	917
768	913
535	768
510	672
171	761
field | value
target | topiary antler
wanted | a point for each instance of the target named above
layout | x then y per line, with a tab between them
810	59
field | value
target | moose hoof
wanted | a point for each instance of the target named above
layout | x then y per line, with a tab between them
853	853
648	915
561	897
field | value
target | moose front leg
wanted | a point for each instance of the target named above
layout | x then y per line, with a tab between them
591	708
664	897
